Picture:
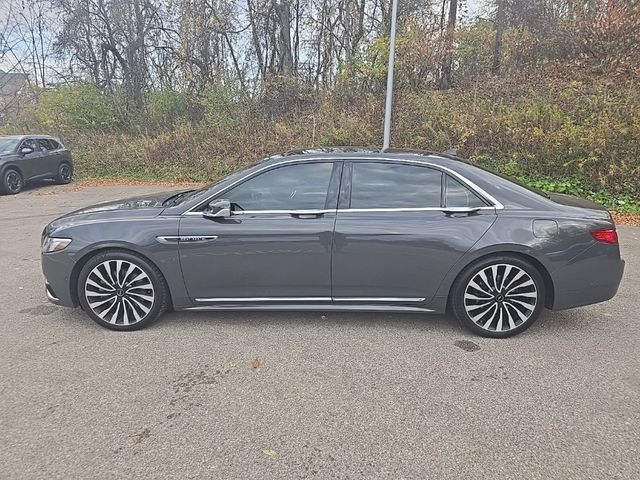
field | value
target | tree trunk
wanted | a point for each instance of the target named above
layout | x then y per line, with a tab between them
285	56
497	45
446	77
255	39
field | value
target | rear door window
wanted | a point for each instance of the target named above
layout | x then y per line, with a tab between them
388	185
45	144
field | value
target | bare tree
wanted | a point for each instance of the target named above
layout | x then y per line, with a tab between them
446	75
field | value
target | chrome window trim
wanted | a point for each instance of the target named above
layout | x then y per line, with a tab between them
403	209
271	212
468	183
286	212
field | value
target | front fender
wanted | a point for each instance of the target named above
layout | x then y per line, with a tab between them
5	166
139	236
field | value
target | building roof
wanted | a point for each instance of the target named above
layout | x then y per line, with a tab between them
11	83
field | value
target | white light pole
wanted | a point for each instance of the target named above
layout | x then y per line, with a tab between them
392	53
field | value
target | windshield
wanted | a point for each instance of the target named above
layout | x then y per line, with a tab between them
180	197
8	145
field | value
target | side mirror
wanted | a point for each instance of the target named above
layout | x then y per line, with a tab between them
26	150
220	208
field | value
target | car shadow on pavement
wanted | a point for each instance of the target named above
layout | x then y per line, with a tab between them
37	184
549	323
316	319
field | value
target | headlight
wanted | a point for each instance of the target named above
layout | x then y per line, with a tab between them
51	244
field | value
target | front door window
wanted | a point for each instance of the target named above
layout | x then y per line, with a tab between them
288	188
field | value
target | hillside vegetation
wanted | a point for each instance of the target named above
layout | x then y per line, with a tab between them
561	109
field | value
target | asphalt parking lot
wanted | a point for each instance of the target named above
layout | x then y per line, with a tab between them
306	395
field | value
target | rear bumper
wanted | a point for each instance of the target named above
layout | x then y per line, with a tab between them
592	277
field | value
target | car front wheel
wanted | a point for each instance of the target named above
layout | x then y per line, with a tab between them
11	182
498	296
121	290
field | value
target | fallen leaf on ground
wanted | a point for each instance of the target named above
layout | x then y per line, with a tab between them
269	453
96	182
627	219
255	363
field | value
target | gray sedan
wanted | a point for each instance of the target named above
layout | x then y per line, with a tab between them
338	229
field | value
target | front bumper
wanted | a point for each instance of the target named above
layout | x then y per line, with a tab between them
51	295
58	269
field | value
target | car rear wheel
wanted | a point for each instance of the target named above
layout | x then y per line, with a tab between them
65	173
121	290
12	182
498	296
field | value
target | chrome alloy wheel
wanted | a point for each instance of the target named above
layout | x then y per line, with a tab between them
119	292
500	297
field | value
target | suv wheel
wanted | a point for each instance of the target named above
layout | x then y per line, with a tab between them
11	182
65	173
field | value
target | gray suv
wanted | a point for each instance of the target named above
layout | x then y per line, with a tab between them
24	158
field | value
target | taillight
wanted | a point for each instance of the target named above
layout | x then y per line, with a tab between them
606	235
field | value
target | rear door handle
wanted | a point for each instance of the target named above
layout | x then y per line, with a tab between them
307	213
467	210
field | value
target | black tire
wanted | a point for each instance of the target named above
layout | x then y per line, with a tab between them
65	173
512	293
129	297
11	182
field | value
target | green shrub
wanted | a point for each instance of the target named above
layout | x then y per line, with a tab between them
80	107
167	108
220	108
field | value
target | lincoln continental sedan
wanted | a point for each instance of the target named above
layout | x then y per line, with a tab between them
342	229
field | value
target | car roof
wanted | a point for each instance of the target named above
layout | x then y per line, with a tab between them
349	152
31	135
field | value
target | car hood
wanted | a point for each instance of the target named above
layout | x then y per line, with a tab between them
135	203
135	207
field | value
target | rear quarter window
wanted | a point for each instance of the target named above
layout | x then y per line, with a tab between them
457	195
